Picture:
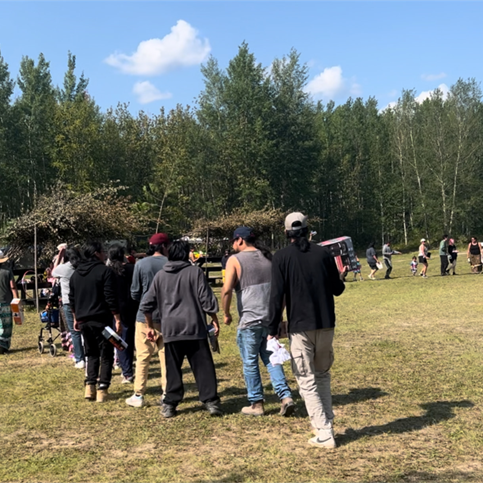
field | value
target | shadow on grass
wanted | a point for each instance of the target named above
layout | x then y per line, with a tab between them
251	474
414	476
234	404
436	412
447	476
357	395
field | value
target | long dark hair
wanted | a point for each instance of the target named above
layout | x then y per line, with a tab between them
253	240
116	257
73	256
90	249
300	238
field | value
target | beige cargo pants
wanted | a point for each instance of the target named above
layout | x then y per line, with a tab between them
145	349
312	358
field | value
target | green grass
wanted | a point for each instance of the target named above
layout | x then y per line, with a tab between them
407	385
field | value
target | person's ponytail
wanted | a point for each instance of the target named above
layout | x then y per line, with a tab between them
264	249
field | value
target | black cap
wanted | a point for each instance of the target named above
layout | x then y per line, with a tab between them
243	232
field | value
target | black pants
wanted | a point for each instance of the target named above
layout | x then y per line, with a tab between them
201	363
388	267
444	264
99	353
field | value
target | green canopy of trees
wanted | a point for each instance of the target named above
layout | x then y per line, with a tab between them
255	142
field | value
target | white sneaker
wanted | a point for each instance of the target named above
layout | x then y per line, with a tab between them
80	365
127	380
135	401
324	439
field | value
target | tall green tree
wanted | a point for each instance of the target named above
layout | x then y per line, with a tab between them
7	167
34	115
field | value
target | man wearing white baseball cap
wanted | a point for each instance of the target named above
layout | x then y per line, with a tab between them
305	276
8	291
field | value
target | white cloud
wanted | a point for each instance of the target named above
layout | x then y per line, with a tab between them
182	47
391	105
433	77
427	94
355	89
147	92
330	83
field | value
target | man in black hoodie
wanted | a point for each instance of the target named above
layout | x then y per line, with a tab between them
94	303
183	297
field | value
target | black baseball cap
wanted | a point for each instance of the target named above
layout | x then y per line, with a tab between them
242	232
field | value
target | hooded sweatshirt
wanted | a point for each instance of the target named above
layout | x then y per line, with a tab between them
93	294
183	297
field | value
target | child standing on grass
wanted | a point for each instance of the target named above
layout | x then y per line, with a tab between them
358	271
414	266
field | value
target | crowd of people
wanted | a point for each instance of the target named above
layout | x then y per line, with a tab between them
159	304
448	255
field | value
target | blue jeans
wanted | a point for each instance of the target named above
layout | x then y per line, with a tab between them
252	343
126	357
76	336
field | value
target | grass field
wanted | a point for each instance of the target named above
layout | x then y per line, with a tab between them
408	398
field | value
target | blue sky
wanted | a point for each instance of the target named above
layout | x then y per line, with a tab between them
148	54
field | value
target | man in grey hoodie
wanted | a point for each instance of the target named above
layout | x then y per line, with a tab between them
182	296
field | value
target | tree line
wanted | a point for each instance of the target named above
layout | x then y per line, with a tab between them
255	140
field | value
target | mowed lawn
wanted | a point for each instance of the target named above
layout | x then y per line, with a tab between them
408	398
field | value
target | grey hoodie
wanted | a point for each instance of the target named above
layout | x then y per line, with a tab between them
183	297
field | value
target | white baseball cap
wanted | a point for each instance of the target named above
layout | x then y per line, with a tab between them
423	240
299	218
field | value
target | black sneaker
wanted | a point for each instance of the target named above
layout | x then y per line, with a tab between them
168	411
213	408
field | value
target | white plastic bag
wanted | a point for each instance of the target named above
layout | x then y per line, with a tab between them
280	354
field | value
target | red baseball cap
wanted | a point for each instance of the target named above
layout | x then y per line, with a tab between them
159	239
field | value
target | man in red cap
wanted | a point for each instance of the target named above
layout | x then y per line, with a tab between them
144	272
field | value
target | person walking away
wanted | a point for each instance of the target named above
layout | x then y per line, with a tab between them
305	276
249	273
8	292
387	253
423	257
414	266
127	307
452	256
372	260
93	302
144	273
65	264
182	296
443	254
474	255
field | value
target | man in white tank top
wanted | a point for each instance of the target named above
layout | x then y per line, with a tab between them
248	272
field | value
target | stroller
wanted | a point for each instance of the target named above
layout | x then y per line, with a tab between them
51	318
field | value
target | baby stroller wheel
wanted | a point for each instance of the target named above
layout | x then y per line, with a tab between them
41	346
53	350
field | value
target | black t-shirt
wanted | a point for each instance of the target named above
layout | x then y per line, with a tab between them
308	281
452	253
6	275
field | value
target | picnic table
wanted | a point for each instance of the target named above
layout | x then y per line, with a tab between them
24	282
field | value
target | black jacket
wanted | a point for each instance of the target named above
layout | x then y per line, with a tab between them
127	306
93	292
182	295
308	282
